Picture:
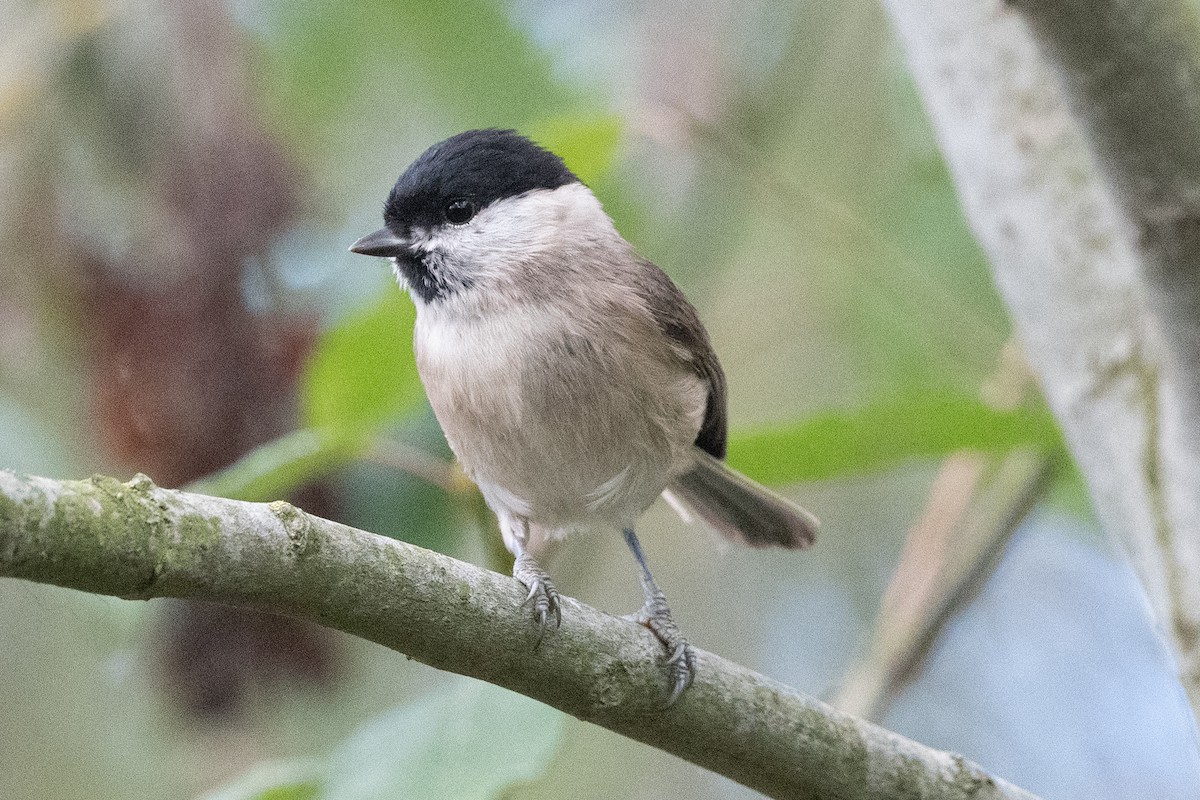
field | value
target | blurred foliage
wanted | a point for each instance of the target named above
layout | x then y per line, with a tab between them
363	373
885	433
469	741
275	780
271	471
472	58
588	144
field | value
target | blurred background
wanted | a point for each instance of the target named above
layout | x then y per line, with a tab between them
180	184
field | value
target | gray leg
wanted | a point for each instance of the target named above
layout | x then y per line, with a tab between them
655	615
543	597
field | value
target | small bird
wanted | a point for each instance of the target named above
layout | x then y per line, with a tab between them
573	380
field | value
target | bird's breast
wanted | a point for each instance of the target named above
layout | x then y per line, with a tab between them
558	418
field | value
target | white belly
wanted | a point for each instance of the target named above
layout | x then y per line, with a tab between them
561	422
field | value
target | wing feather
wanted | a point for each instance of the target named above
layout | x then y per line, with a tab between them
678	320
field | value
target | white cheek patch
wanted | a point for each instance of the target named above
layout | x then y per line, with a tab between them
509	237
519	228
501	235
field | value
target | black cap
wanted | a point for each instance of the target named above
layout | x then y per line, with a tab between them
480	166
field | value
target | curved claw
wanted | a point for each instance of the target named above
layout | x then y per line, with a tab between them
681	671
533	589
543	597
680	652
681	657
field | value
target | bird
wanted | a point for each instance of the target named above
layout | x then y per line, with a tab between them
573	380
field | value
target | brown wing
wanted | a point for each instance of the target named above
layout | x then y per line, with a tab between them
678	320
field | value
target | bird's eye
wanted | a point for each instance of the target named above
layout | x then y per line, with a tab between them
460	212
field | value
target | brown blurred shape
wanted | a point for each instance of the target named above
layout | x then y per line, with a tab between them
184	377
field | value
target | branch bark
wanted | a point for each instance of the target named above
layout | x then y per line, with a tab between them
1131	74
1097	265
138	541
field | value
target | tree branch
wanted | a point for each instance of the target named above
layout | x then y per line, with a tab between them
1131	74
1097	266
138	541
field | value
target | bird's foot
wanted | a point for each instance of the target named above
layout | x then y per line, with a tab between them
543	597
681	658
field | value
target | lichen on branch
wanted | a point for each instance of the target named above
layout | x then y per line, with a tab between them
138	541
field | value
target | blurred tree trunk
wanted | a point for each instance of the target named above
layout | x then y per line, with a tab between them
185	375
1073	133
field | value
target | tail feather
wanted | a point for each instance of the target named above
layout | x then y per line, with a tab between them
741	509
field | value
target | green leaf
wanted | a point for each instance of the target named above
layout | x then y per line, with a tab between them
467	742
271	471
363	372
885	433
275	780
587	143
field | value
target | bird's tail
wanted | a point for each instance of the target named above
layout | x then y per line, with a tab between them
739	508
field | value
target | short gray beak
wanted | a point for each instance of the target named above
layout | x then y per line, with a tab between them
380	243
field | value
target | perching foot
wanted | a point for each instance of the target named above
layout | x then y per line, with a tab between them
543	597
681	658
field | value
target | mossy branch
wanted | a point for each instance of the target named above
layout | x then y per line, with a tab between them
138	541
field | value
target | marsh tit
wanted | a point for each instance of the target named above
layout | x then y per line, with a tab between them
573	380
